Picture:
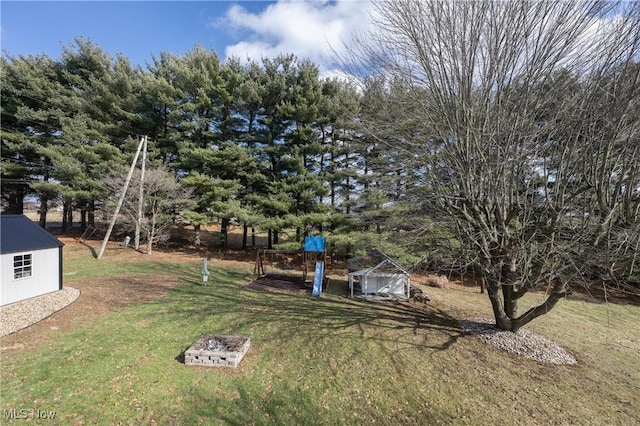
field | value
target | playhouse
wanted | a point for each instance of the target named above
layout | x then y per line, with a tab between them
387	279
31	260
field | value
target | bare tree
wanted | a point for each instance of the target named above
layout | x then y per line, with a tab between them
164	198
521	122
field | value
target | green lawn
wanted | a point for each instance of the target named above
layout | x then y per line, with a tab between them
329	361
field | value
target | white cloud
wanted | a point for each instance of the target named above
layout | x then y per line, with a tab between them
308	29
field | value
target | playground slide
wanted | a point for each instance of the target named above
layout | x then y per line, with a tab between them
317	279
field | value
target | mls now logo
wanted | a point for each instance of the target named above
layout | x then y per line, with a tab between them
35	413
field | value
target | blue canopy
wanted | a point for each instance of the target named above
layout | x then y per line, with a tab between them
314	244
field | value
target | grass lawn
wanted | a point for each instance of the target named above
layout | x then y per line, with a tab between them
329	361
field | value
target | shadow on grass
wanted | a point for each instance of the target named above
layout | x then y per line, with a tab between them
284	406
93	251
282	316
293	330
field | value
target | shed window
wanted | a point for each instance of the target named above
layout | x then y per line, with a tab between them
21	266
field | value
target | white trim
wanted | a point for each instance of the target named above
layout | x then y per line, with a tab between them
23	266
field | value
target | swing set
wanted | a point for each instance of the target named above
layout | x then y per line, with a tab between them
291	264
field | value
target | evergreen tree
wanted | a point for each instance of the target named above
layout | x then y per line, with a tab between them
34	108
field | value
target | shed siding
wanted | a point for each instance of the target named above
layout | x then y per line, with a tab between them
45	278
394	284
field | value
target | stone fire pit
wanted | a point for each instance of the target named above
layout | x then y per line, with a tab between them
213	350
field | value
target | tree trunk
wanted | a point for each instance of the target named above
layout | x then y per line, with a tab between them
224	232
503	322
136	236
91	214
151	235
508	290
253	237
44	206
510	302
65	216
478	277
70	218
196	233
83	220
245	232
348	196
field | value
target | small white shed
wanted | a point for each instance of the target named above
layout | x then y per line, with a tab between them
385	280
31	260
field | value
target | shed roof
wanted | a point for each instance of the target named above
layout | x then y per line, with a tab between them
18	233
386	268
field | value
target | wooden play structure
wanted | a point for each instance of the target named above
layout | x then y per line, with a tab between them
292	263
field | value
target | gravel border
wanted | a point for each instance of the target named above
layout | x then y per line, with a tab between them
524	342
19	315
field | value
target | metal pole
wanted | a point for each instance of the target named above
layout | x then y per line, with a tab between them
120	201
205	271
136	241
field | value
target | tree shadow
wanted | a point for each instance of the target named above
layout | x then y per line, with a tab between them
310	318
277	320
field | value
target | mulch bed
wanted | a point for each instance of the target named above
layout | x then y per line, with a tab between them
283	283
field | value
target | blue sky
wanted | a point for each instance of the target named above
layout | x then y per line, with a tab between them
138	29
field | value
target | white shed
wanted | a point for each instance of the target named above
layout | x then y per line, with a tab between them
31	260
385	280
